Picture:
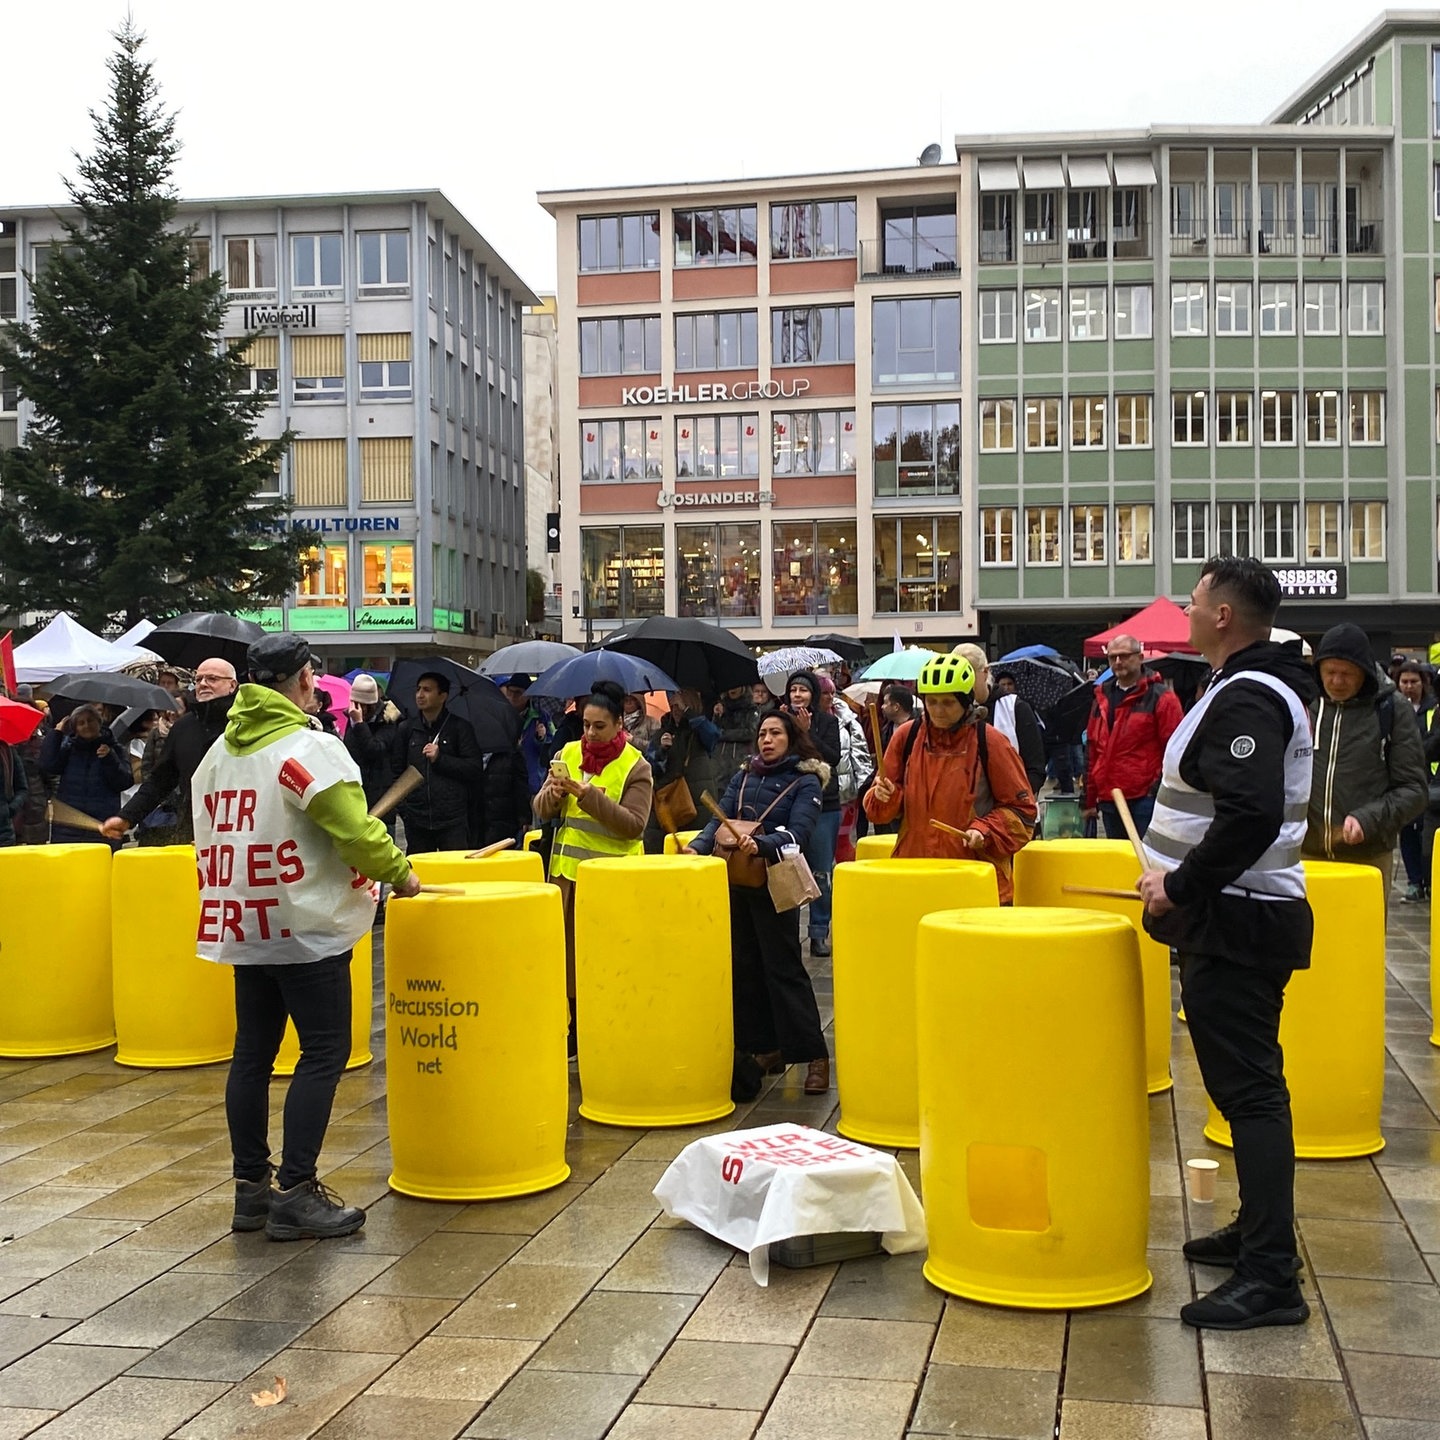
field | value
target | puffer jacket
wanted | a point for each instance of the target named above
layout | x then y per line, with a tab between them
749	795
459	769
856	766
1359	772
86	780
1126	738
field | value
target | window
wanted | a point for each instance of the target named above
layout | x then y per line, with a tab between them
262	367
628	346
620	450
717	447
1277	308
917	564
384	262
1277	417
1232	307
1322	307
724	236
997	426
812	442
385	372
1232	418
812	230
199	265
1367	307
1040	226
814	568
1133	319
315	263
1132	422
1187	307
717	570
619	242
318	366
1088	524
997	535
1232	528
917	341
1278	519
1134	525
919	239
10	394
1127	215
1367	529
1087	422
1367	417
997	227
1187	417
622	571
997	317
1042	535
1087	312
250	264
1042	422
9	273
324	579
722	340
1083	219
1322	530
1189	520
917	450
814	335
1042	314
1184	222
388	573
1437	192
1322	417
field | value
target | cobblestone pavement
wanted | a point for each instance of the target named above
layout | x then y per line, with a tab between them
128	1309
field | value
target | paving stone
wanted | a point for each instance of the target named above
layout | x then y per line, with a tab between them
1400	1387
1297	1352
680	1261
736	1308
717	1375
522	1302
1383	1316
20	1334
1364	1249
41	1252
524	1216
158	1311
808	1406
1400	1429
1133	1359
627	1182
219	1349
674	1422
616	1332
396	1224
1094	1420
1171	1287
883	1287
1243	1407
189	1227
379	1324
386	1417
446	1265
236	1252
1412	1147
989	1401
554	1405
15	1424
1004	1339
57	1376
131	1409
89	1285
308	1288
590	1159
1332	1194
441	1368
866	1349
585	1234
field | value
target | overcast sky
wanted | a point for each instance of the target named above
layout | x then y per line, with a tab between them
493	101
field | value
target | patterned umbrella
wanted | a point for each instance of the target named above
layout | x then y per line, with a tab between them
796	657
1041	682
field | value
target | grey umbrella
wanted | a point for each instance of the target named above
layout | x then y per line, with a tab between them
106	688
528	657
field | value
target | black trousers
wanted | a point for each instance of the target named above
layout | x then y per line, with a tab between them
422	839
774	1000
317	997
1233	1013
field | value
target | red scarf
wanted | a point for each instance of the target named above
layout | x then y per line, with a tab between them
594	758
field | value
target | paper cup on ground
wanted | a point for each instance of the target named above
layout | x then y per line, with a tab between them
1200	1175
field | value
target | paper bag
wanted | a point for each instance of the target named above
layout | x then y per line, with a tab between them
791	882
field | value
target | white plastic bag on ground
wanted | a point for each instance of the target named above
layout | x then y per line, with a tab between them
752	1187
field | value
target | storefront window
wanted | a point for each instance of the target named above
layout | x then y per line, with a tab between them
623	569
324	581
815	568
917	564
389	574
812	442
917	450
717	570
717	447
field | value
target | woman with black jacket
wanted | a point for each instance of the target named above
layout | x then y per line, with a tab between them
803	703
81	756
370	739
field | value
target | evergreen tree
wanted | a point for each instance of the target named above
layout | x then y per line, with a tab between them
134	492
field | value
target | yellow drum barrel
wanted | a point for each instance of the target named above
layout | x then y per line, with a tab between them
878	906
677	840
1034	1144
475	1022
55	950
1434	941
171	1007
1044	867
362	1010
1332	1028
875	847
532	839
652	990
450	867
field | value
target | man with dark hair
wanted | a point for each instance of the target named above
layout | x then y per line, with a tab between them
443	748
1227	891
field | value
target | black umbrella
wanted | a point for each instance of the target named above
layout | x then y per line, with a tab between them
1042	682
1066	719
106	688
1186	673
699	655
203	635
472	696
847	647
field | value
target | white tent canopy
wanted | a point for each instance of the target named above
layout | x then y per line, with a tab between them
65	646
136	634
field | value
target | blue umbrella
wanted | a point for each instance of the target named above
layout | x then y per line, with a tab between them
1031	652
577	676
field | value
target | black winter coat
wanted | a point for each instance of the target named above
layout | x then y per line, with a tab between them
450	778
501	810
825	734
180	755
371	744
792	819
87	780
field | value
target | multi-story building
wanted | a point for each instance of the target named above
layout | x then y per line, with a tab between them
390	342
1023	393
542	456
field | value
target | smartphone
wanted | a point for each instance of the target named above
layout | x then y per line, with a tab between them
559	769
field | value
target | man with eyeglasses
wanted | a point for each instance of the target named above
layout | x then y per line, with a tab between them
185	747
1133	717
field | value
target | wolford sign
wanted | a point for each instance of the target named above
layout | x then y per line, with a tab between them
707	394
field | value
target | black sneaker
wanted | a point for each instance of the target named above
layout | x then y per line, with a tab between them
252	1204
308	1211
1240	1304
820	948
1221	1248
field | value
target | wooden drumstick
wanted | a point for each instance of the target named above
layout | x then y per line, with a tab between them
949	829
63	814
436	890
494	849
1128	820
708	801
1101	890
872	710
410	779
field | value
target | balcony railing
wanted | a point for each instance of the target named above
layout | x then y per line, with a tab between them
1321	237
1129	242
875	266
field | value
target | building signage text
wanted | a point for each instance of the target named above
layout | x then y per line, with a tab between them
1320	582
669	498
340	524
708	394
278	317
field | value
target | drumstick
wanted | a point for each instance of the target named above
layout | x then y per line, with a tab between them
949	829
1128	820
409	779
494	849
63	814
1101	890
436	890
873	711
708	801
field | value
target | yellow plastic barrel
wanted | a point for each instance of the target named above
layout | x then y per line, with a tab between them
652	990
475	1022
1044	867
677	840
1332	1029
875	847
451	867
362	1009
55	950
532	839
1034	1144
1434	941
878	905
171	1007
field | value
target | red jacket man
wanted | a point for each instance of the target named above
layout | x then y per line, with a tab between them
1134	715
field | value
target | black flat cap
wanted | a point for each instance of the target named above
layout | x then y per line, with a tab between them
274	659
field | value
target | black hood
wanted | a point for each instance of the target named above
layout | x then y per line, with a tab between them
1350	642
1284	661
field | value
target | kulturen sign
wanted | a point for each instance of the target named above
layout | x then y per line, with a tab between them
279	317
341	524
710	393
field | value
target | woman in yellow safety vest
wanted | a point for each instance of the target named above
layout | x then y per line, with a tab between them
600	789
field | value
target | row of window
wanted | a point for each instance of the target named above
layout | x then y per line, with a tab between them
387	576
317	367
317	269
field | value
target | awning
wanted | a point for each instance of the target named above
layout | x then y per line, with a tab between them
1134	170
1043	174
998	175
1089	172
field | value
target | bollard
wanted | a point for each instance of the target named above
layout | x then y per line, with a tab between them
475	1022
876	847
652	990
1332	1029
878	906
676	841
1034	1145
506	867
1044	866
172	1008
362	1011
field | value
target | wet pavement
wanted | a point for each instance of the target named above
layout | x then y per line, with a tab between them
129	1310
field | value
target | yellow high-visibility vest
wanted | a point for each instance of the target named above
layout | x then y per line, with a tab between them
581	838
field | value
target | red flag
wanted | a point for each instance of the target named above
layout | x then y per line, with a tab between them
7	660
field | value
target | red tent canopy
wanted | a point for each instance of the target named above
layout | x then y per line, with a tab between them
1160	628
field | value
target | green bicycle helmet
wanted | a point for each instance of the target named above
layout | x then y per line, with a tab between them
947	675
